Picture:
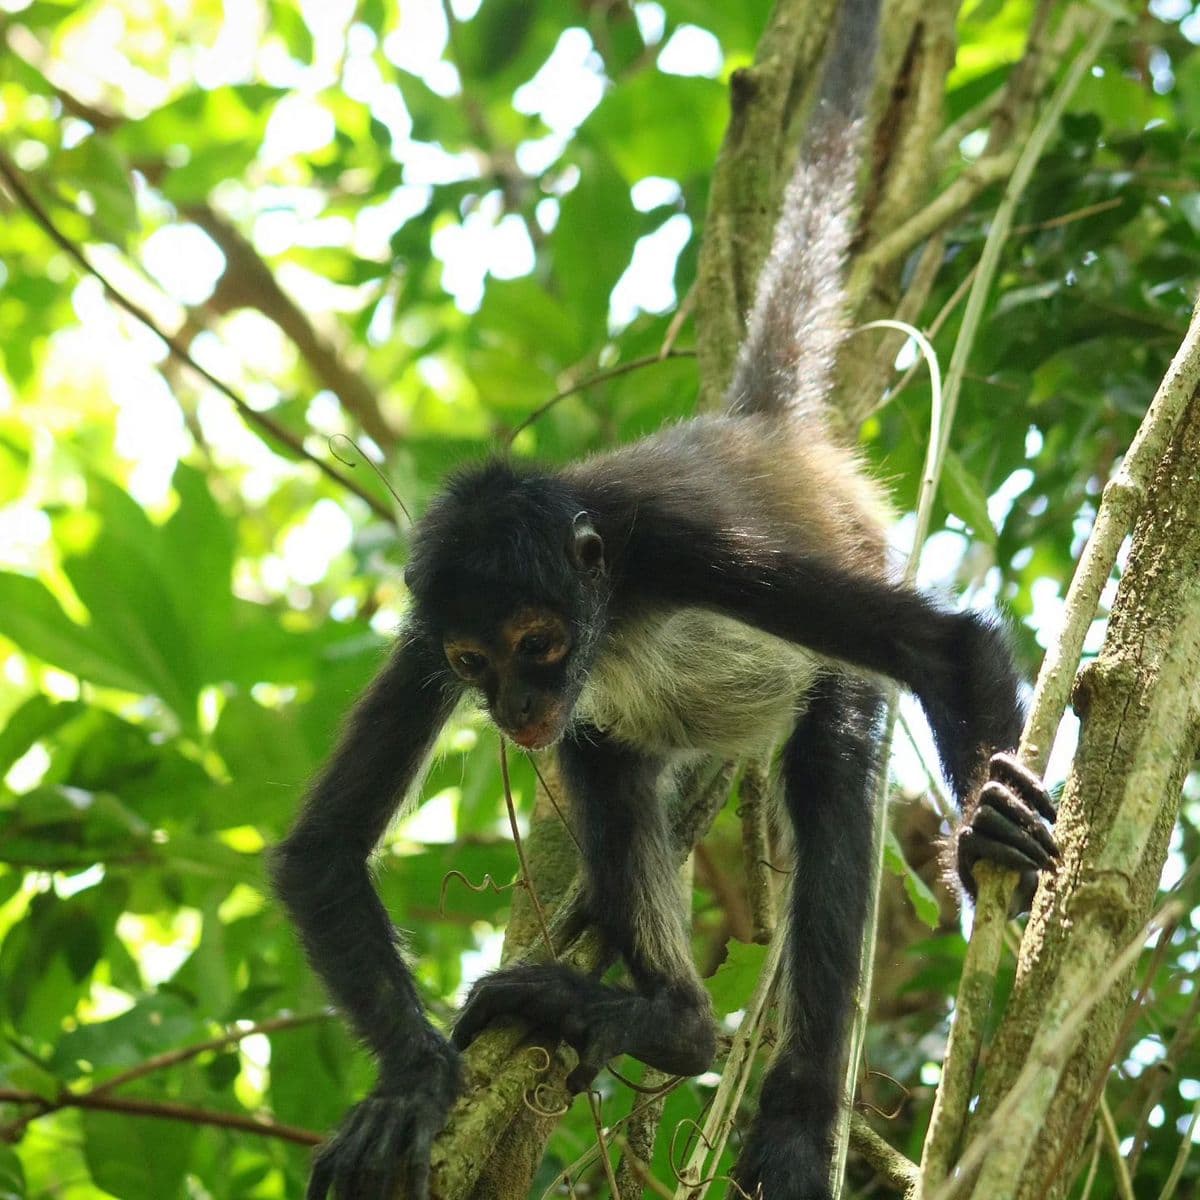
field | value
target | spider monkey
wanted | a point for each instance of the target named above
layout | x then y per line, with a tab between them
717	588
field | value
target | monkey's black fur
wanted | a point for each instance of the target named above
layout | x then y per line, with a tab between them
714	589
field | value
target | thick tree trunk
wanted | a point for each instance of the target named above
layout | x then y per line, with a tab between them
1141	719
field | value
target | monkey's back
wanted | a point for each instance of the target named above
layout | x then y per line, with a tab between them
776	481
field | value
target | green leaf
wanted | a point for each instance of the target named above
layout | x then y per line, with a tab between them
95	167
737	26
121	580
287	21
681	142
12	1175
32	618
38	717
497	36
435	118
965	498
513	307
233	120
14	461
736	978
136	1159
593	240
197	565
156	1023
923	900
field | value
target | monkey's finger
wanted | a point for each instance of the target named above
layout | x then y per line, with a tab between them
998	830
417	1174
320	1179
580	1079
995	797
1009	770
472	1021
416	1179
975	847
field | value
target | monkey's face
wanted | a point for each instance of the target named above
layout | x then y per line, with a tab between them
523	667
509	575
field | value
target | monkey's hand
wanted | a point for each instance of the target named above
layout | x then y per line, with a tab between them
382	1146
1008	825
672	1029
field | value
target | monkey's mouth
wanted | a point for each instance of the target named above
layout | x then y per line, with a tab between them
542	734
537	737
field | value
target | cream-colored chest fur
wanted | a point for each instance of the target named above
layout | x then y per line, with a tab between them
691	679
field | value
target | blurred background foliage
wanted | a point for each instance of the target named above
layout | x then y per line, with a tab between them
414	225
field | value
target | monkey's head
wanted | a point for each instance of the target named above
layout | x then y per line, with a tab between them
509	575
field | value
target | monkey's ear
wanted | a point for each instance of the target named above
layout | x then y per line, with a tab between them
587	546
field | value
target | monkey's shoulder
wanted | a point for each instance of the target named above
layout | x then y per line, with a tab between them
692	679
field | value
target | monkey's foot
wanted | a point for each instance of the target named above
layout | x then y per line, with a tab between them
1008	825
384	1141
672	1029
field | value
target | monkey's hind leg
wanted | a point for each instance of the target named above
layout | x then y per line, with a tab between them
633	895
828	768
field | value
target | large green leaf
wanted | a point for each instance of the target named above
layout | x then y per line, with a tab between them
690	114
12	1175
32	618
37	718
137	1159
593	240
121	580
197	567
736	978
923	900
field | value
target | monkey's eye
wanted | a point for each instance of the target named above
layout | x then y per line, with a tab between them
535	645
468	663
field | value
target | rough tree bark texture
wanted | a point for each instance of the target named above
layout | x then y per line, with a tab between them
1141	726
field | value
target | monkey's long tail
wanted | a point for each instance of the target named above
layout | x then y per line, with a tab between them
786	362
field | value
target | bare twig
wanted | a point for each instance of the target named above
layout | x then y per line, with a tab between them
605	1161
1043	1061
634	364
167	1110
976	179
172	1058
675	328
250	283
525	872
1070	1142
756	850
1112	1139
899	1171
640	1172
1185	1033
719	1119
1181	1155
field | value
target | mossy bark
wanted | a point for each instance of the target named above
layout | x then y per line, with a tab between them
1141	724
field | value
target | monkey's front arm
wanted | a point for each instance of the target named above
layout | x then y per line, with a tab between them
957	664
320	873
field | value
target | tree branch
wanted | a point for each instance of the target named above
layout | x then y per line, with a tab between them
995	886
276	433
172	1058
249	283
898	1171
167	1110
